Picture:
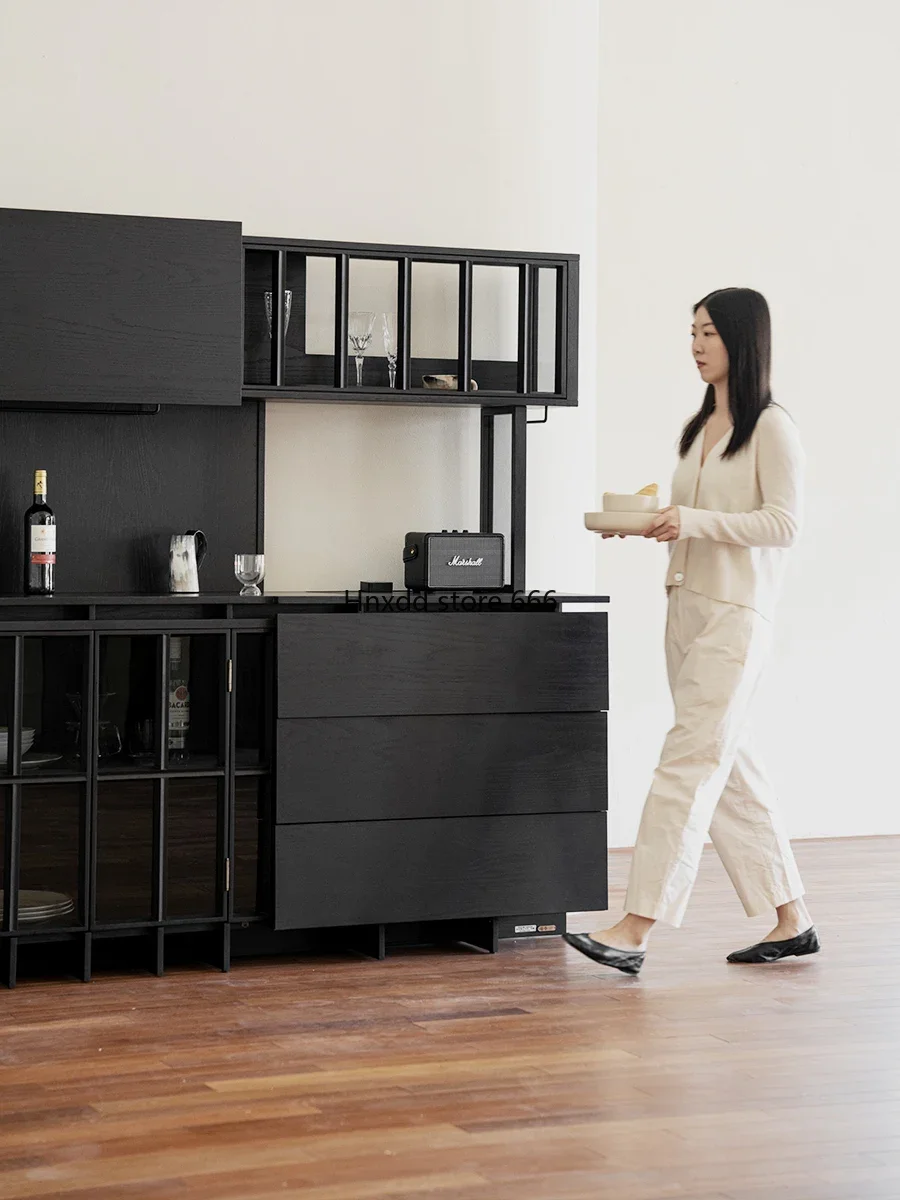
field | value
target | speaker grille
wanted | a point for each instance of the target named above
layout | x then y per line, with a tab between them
443	572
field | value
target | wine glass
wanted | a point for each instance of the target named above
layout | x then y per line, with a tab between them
250	569
359	330
389	327
288	299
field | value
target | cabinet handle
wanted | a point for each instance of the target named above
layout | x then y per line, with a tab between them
227	874
230	675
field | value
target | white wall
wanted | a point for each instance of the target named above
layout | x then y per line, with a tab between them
752	142
756	144
401	121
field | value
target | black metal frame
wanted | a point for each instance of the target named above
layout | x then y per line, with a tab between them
154	930
565	391
492	404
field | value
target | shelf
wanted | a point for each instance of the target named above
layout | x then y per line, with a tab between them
503	326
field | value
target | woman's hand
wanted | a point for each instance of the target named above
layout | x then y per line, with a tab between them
665	526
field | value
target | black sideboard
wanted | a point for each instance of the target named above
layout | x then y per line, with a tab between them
353	779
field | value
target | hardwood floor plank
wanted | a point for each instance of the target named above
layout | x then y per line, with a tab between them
530	1075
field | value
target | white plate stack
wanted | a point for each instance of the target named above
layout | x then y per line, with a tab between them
40	906
27	743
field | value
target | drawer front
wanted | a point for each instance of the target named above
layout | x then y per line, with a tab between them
376	768
373	872
394	664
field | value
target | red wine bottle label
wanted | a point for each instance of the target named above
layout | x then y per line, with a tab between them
43	545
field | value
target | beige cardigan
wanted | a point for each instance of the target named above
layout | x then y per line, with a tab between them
739	516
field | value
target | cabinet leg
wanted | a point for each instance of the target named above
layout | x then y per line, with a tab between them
483	933
367	940
86	959
9	951
158	951
225	960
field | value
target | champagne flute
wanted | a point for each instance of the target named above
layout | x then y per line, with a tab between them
389	326
359	330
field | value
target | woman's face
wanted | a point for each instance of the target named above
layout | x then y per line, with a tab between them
708	349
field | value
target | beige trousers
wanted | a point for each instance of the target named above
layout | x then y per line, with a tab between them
708	779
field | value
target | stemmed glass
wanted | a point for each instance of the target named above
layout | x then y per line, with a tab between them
389	326
359	330
249	570
288	297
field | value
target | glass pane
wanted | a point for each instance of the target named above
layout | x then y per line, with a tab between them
251	696
55	680
372	296
547	300
259	285
193	854
5	801
128	720
50	855
434	326
309	316
7	687
125	857
495	328
251	831
196	687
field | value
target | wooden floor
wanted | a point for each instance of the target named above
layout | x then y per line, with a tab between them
531	1075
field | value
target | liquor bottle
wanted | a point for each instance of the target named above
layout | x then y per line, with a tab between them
179	699
40	541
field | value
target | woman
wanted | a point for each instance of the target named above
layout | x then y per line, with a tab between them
736	509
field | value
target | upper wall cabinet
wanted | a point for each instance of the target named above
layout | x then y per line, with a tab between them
99	309
406	324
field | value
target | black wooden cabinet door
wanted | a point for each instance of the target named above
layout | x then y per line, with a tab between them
98	309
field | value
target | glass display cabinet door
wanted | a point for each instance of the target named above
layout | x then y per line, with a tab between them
252	696
250	883
309	320
54	709
261	286
126	889
51	856
194	848
434	327
5	815
129	700
7	700
195	714
495	328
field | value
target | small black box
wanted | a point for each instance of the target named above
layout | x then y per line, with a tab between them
453	558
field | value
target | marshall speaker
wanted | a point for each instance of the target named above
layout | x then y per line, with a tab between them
453	558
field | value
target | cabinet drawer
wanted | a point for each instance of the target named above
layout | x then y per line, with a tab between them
374	768
365	664
368	872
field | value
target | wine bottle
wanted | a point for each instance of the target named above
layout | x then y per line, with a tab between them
179	699
40	541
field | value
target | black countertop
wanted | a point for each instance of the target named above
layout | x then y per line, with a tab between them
351	597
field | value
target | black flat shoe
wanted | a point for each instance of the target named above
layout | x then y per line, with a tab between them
629	961
768	952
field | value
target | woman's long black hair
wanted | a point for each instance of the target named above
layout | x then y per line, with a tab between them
741	318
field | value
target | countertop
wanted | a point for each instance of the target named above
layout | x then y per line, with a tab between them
350	596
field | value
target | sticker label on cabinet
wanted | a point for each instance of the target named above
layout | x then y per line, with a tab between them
526	928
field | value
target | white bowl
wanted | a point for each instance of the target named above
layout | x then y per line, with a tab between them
617	502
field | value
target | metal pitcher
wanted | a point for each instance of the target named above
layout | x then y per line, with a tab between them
186	552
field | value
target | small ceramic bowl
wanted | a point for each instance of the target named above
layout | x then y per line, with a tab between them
446	383
616	502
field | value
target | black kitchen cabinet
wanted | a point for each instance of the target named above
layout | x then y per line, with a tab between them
214	775
99	309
